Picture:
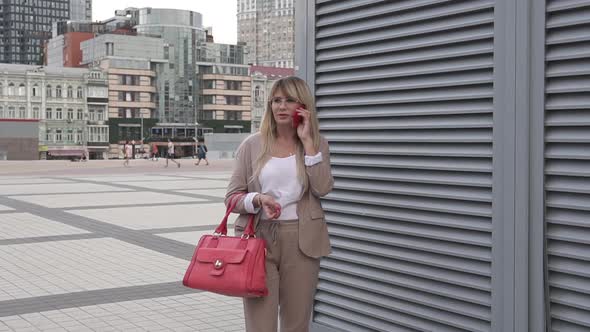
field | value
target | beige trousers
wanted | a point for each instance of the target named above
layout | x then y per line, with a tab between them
291	278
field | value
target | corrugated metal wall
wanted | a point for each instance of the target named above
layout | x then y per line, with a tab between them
405	96
460	134
567	164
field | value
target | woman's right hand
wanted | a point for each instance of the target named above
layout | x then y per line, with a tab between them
271	208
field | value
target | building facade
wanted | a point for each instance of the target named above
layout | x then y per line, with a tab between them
224	83
263	79
267	28
177	82
81	10
130	62
97	99
57	99
25	27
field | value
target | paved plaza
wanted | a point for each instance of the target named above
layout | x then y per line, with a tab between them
97	246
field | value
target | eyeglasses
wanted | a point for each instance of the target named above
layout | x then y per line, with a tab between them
289	101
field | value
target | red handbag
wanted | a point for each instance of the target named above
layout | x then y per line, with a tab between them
229	265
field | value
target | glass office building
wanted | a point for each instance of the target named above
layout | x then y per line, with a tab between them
177	83
26	25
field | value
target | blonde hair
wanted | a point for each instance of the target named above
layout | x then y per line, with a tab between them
295	88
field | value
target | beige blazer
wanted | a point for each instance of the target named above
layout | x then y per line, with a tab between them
313	232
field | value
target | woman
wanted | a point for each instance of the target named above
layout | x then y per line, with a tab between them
285	170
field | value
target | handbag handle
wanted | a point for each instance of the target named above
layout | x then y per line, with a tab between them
233	201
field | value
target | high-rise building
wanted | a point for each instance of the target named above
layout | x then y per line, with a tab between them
267	28
176	83
81	10
26	25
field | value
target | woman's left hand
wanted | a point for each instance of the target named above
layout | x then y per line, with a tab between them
304	129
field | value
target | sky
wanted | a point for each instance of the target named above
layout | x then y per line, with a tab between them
219	14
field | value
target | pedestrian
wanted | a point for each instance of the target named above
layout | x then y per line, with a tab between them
127	153
154	152
202	153
170	155
285	170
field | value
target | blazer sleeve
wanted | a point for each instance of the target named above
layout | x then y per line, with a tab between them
238	182
320	174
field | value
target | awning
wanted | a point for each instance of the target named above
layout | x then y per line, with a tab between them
66	152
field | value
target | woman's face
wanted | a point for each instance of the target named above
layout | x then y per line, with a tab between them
283	108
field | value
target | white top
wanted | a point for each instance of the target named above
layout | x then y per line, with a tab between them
170	148
128	150
278	178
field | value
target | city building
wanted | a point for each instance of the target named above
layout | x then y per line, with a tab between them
97	99
64	48
176	81
56	99
27	25
81	10
225	87
129	61
267	28
262	80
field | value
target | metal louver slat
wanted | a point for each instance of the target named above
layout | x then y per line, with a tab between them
336	271
404	93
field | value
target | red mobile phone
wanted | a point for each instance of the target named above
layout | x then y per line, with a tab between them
297	118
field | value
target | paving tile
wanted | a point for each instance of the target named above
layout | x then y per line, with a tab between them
209	192
102	199
48	188
152	217
25	225
184	184
82	265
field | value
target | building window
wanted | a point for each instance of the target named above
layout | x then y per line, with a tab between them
35	90
80	114
11	89
58	137
233	115
11	112
58	114
79	136
21	90
258	97
208	84
208	115
233	85
233	100
1	112
91	115
22	113
48	91
70	92
48	114
48	136
208	99
128	80
58	92
100	115
135	113
70	114
35	112
79	93
110	49
121	113
1	89
69	136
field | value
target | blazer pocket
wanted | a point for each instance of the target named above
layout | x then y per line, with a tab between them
317	214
